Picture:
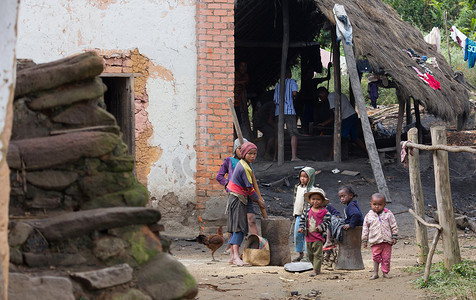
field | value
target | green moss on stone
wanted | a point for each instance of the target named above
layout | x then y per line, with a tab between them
139	249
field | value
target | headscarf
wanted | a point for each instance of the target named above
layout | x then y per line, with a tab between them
311	173
246	147
237	144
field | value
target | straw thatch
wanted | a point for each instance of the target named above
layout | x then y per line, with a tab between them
381	36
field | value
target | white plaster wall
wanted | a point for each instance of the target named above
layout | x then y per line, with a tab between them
162	30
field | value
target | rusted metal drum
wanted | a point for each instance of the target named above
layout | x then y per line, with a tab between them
349	256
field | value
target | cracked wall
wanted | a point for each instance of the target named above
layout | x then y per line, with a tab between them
151	42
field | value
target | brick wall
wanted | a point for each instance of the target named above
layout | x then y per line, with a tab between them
215	82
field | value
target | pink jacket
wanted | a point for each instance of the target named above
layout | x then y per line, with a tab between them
379	228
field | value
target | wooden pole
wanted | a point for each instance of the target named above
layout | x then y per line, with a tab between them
240	137
421	233
401	111
408	113
368	135
337	150
443	199
282	83
416	105
447	39
436	237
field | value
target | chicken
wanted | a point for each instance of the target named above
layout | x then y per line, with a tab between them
212	242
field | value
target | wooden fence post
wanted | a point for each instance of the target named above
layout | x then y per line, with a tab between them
421	233
443	199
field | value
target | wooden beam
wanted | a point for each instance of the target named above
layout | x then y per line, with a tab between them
266	44
337	149
408	108
401	111
368	135
436	237
416	105
416	188
422	221
282	89
443	199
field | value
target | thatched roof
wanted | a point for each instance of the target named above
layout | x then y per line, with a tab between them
379	34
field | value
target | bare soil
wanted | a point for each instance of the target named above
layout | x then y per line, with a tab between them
220	280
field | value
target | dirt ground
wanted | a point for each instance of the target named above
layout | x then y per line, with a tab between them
223	281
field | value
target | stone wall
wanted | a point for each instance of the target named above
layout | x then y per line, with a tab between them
78	221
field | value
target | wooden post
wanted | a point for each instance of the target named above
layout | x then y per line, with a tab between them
421	233
8	36
436	237
447	39
282	83
416	104
408	113
443	199
401	111
337	92
368	135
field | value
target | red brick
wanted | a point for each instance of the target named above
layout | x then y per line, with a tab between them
220	12
219	38
214	19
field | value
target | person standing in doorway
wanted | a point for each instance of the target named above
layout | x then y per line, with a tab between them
290	93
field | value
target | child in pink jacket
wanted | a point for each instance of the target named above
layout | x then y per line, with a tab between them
380	231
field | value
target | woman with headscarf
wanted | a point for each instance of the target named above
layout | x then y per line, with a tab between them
241	191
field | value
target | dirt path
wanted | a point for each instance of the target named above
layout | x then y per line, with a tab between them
219	280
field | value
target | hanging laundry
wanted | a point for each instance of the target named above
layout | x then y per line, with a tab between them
457	36
470	52
343	26
432	82
434	38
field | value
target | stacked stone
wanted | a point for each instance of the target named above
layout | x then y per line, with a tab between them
66	151
78	225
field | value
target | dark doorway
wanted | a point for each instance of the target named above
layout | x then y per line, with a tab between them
119	100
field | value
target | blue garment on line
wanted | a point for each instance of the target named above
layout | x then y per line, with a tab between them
470	52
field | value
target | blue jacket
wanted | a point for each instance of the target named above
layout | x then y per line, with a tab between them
353	214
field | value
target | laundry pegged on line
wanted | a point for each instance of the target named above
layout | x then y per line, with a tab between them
457	36
470	52
432	82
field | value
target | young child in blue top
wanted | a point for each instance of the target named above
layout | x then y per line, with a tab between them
352	212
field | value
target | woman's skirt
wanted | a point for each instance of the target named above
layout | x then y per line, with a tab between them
236	212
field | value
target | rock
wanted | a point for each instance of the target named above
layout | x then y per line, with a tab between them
134	196
82	222
131	294
51	179
472	225
53	259
50	75
104	278
144	244
120	164
16	256
23	287
104	183
85	114
44	200
46	152
19	233
166	278
107	247
462	222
